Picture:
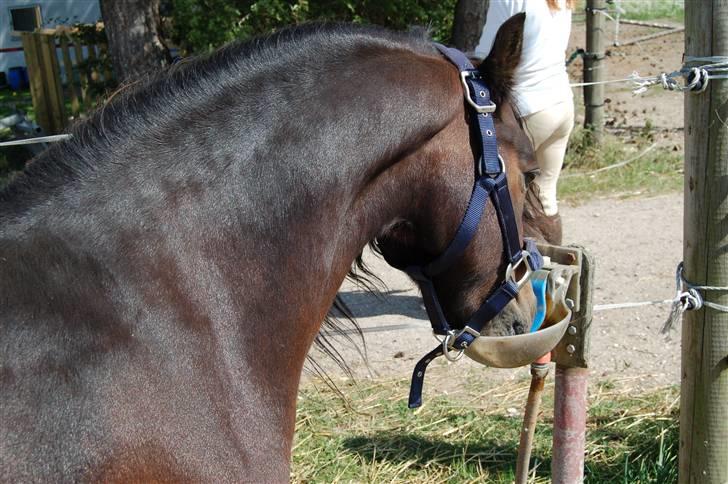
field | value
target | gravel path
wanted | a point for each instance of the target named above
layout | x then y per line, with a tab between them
636	242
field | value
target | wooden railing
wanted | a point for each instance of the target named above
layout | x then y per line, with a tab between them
60	94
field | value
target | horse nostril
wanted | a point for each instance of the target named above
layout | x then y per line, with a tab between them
518	328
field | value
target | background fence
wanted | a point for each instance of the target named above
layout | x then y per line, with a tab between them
68	71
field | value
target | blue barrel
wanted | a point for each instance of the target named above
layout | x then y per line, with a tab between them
17	78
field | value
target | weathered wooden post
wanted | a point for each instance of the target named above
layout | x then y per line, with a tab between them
45	80
594	67
704	385
68	66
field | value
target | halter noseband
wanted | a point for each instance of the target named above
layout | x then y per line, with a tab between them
491	183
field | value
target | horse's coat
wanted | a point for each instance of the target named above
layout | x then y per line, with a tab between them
163	275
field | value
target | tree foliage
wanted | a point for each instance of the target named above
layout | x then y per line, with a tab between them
201	25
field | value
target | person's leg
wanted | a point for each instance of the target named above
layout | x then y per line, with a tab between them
549	131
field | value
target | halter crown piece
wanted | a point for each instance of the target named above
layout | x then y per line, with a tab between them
491	183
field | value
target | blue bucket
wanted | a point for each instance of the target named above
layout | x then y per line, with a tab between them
18	78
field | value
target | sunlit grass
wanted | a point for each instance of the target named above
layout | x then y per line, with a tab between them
472	435
654	166
654	9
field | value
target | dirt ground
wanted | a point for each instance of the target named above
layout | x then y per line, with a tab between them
625	113
637	244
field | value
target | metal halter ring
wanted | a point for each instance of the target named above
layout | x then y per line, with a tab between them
481	166
446	348
510	270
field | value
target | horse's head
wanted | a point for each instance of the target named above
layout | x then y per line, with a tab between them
450	158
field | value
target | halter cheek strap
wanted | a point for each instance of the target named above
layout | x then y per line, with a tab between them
491	184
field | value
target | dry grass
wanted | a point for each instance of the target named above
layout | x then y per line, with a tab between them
471	435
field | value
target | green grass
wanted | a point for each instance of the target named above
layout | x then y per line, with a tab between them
10	99
655	168
472	435
654	9
12	158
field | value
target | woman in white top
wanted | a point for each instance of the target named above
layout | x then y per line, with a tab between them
541	89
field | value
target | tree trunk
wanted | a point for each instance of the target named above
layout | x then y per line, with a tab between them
132	28
468	23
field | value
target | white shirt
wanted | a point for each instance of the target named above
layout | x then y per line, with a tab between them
540	81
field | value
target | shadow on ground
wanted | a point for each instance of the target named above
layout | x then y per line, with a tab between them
651	461
421	452
365	304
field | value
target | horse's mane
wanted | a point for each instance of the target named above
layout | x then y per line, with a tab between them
190	88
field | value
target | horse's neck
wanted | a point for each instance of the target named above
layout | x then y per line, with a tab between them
210	269
243	241
270	209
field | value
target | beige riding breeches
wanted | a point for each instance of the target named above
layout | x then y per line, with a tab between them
549	132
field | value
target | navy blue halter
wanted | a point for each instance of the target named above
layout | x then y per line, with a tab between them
491	183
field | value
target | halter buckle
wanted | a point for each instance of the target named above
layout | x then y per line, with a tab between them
466	330
488	108
525	260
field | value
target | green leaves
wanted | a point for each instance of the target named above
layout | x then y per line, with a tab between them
202	25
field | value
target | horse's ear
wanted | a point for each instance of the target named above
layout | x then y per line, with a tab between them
504	57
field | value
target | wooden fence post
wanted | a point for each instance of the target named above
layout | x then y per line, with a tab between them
45	81
704	385
46	84
594	67
70	81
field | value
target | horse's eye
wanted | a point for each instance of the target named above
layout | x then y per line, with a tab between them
531	175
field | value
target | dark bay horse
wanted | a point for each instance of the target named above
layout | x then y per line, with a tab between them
164	273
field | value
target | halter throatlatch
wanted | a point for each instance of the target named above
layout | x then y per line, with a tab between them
491	184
